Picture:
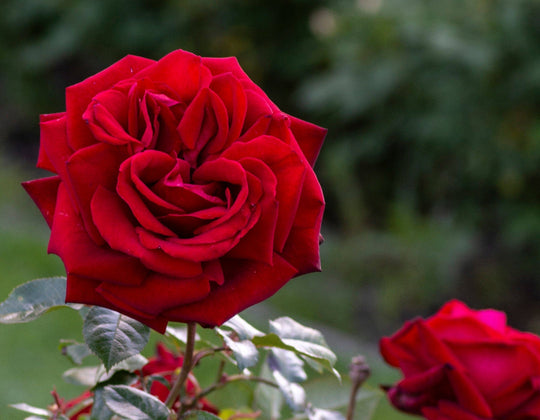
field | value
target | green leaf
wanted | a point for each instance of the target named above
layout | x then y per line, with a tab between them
87	376
30	300
100	411
267	398
74	351
134	404
322	414
289	364
242	328
244	352
323	356
31	409
286	327
90	376
294	394
200	415
113	337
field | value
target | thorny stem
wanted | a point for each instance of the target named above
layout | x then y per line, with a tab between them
176	390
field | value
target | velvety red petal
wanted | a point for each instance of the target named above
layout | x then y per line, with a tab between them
82	256
54	144
415	348
220	65
90	168
233	96
258	128
247	283
83	290
257	106
79	96
43	161
310	138
289	171
258	243
302	246
158	293
182	72
446	410
454	310
151	166
43	192
204	126
113	219
500	371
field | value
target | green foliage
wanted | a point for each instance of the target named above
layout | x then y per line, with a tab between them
30	300
113	337
133	404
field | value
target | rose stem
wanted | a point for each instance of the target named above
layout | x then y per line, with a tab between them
358	372
186	366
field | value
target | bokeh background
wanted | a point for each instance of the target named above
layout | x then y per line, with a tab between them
430	168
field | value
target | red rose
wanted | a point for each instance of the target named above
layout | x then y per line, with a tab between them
182	192
463	364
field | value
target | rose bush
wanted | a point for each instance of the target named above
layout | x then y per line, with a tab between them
164	364
182	193
463	364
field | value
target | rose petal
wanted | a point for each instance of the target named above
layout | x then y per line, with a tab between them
247	283
263	231
88	169
43	161
181	71
82	290
79	96
43	192
81	256
114	222
309	136
289	171
158	293
234	98
146	167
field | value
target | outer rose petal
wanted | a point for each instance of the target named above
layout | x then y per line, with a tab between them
309	136
43	192
82	256
449	411
79	96
247	284
83	290
181	71
43	161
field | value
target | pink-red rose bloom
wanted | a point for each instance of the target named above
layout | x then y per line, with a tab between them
463	364
182	193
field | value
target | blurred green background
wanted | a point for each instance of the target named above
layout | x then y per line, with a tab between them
430	168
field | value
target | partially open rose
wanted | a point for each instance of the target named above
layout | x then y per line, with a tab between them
181	191
463	364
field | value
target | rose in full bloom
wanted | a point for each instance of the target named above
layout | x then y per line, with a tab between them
182	193
463	364
164	364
